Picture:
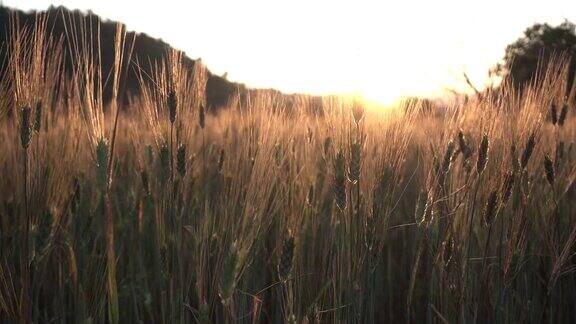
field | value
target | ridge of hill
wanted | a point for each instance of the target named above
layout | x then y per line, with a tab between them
145	49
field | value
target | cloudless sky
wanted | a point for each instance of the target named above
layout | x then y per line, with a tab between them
379	49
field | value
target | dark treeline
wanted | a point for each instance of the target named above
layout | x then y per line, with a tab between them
147	51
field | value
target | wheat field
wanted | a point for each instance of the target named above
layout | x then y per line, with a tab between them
165	211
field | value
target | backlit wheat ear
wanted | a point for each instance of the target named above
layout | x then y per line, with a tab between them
355	162
528	151
172	103
466	150
149	154
448	155
553	114
436	164
327	145
482	154
563	114
25	130
25	256
202	117
549	170
357	113
181	160
339	183
309	135
491	207
507	187
514	157
38	117
221	160
164	160
285	264
463	146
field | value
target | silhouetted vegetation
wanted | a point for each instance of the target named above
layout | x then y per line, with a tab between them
146	52
540	44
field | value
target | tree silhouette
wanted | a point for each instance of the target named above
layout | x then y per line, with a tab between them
539	44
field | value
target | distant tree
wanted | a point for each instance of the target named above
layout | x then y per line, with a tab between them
540	43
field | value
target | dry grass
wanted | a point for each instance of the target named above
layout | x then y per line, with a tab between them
169	213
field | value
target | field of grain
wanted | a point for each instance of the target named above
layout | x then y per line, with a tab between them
168	212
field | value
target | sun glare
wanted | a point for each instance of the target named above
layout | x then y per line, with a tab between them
385	51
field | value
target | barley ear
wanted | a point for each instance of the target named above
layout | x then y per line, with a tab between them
357	113
528	149
491	207
482	154
327	145
25	129
172	103
563	114
181	160
463	146
507	187
221	160
549	170
553	114
448	155
286	258
514	158
202	117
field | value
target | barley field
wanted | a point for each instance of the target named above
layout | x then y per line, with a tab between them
166	211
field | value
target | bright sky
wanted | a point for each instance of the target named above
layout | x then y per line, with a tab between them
379	49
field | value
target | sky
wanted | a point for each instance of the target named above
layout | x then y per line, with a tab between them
381	50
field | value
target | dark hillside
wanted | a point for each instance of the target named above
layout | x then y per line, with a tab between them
147	50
